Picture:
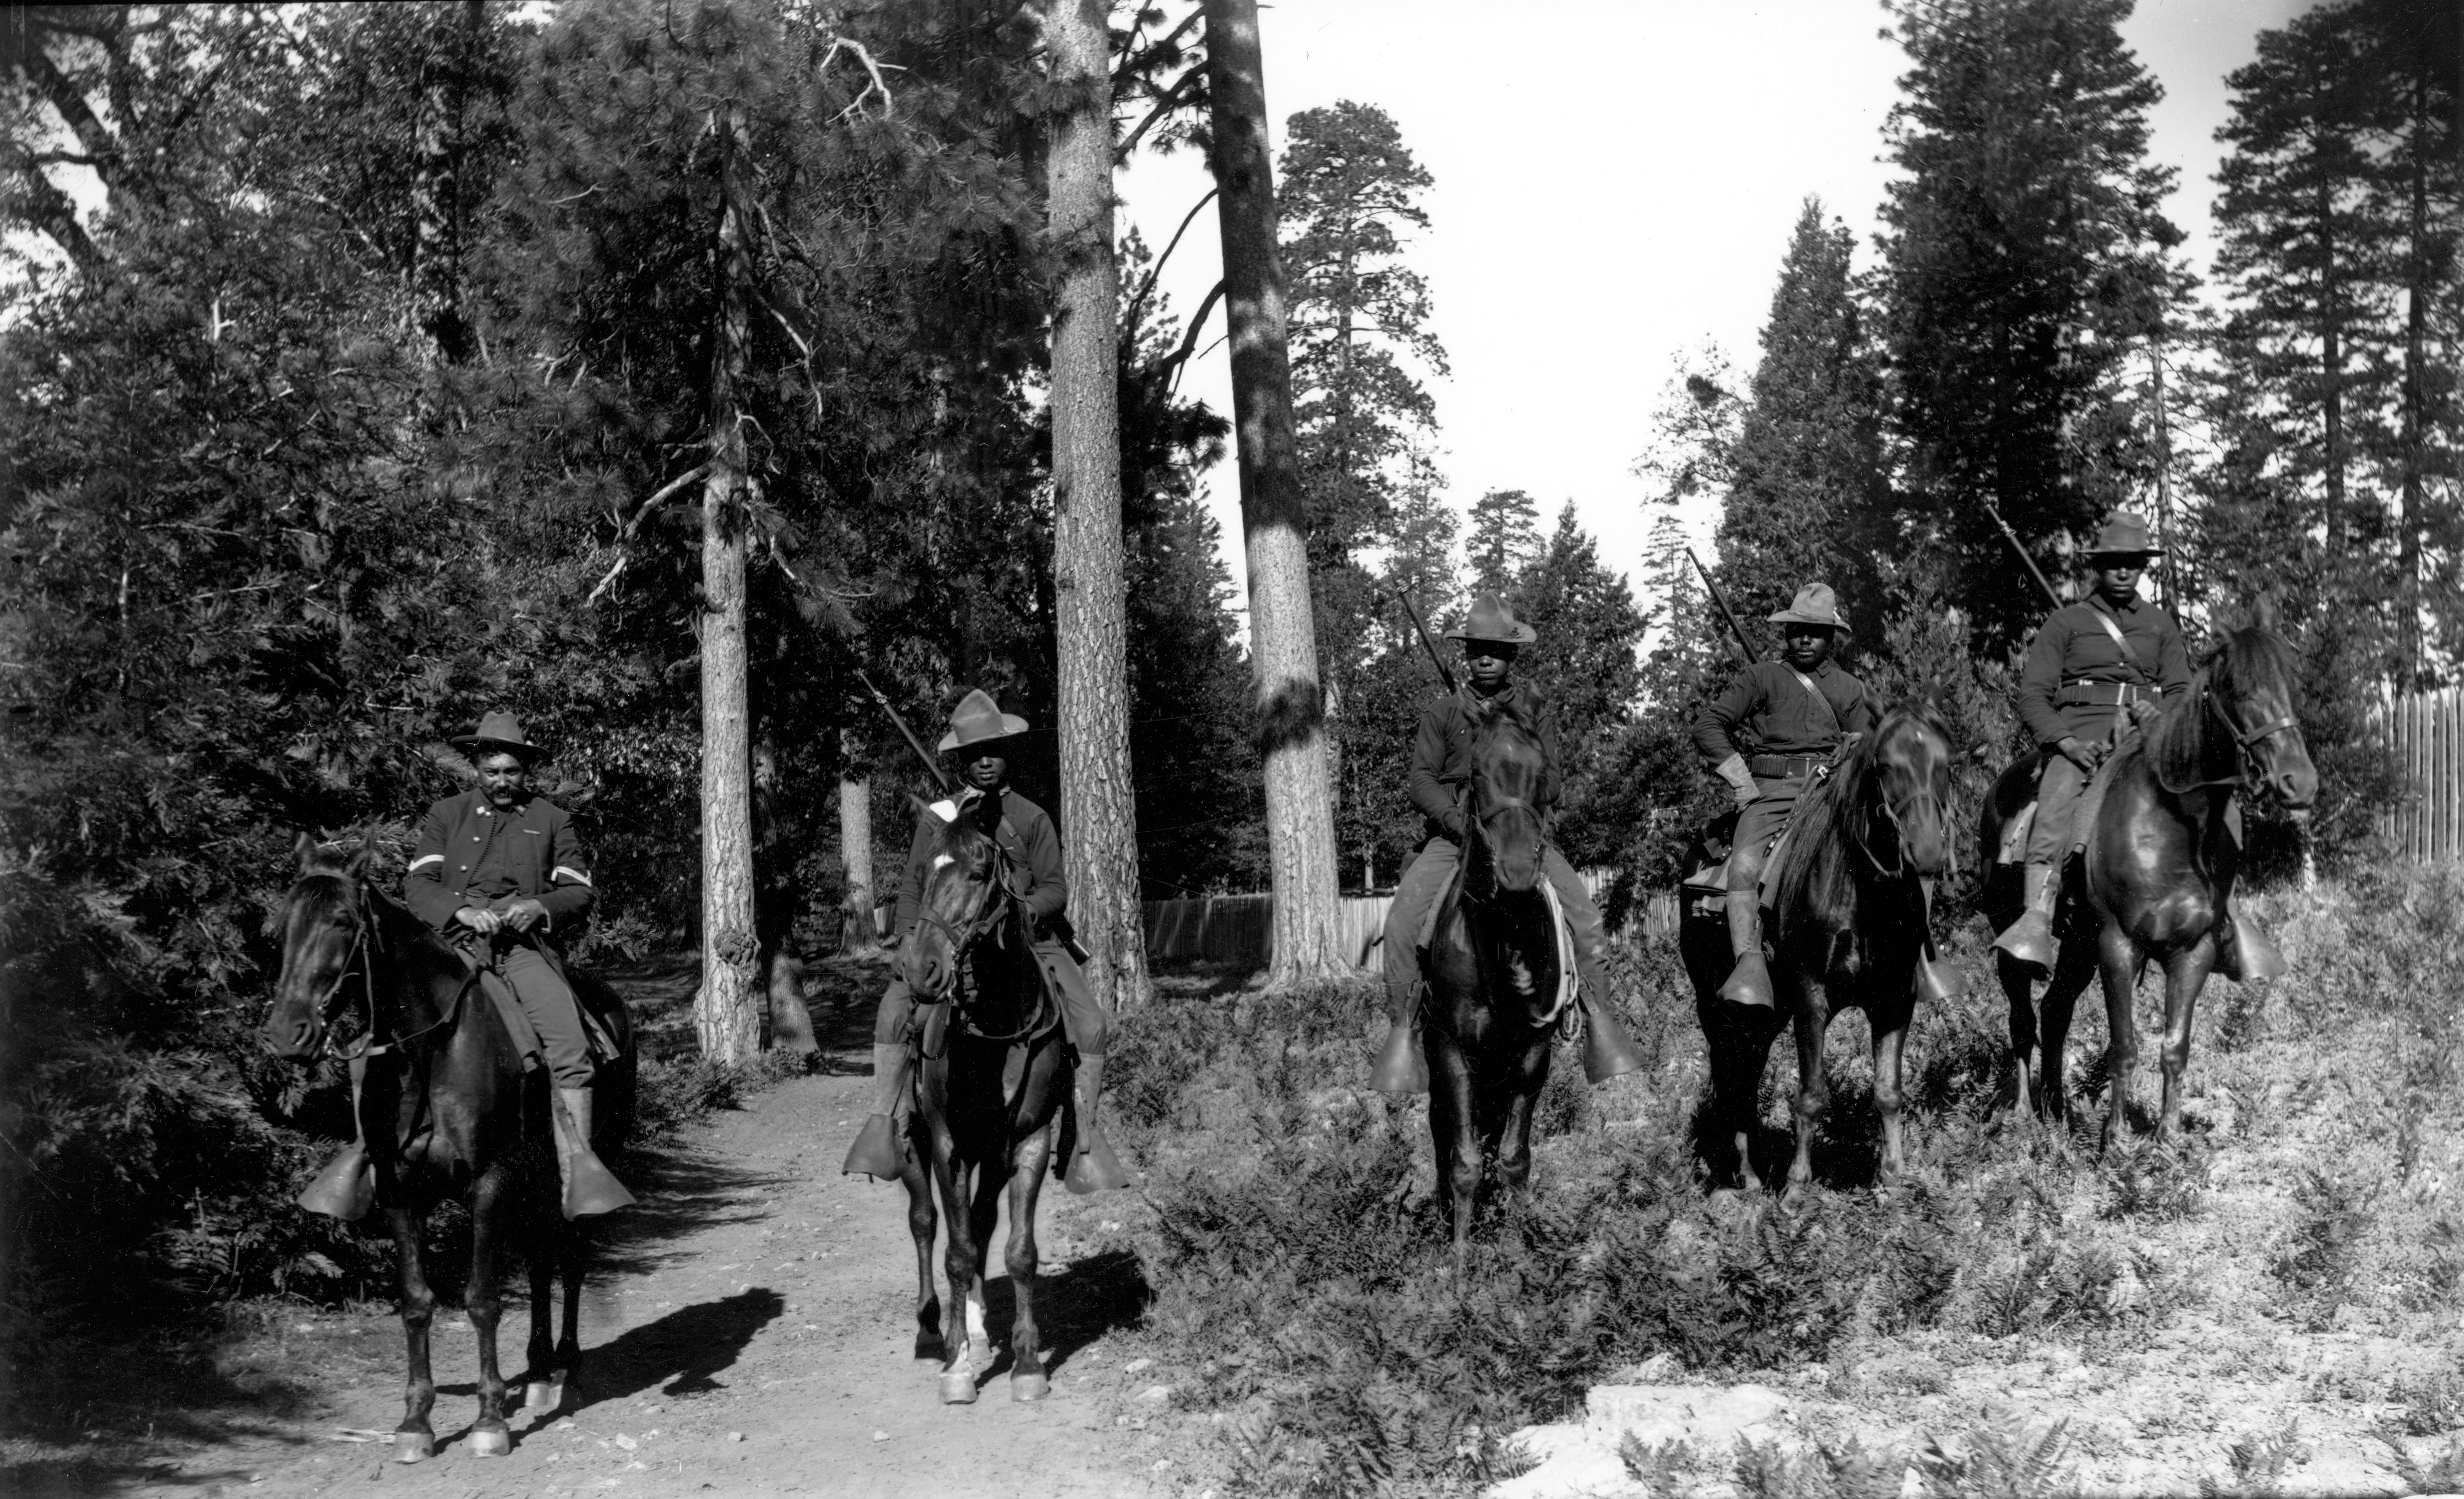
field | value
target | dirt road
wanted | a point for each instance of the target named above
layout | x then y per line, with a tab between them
748	1331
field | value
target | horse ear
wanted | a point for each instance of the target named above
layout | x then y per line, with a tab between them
2264	614
304	850
357	865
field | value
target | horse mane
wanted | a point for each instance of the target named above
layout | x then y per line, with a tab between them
1490	714
2242	663
1816	875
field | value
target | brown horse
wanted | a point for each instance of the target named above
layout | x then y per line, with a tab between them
1494	975
989	1096
1846	928
2159	869
447	1111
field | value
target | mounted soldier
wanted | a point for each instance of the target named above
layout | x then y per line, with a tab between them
1768	734
2093	670
1442	766
981	737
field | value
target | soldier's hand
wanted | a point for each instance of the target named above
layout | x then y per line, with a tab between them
525	914
2080	752
483	922
1744	796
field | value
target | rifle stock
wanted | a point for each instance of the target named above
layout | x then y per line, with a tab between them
2052	599
1720	601
940	776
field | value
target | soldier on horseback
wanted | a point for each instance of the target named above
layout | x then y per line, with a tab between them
980	735
1442	765
2094	670
1793	713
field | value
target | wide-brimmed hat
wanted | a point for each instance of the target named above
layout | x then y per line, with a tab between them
978	719
1816	604
2126	534
500	731
1491	619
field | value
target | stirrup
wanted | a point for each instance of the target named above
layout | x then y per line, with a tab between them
2028	942
346	1188
1400	1068
876	1151
1749	982
1094	1168
1608	1050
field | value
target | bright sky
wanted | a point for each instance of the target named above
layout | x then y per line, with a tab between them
1615	182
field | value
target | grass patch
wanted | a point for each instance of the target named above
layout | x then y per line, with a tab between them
1306	1306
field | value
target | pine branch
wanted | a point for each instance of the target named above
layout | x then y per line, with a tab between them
1170	99
1130	319
1189	341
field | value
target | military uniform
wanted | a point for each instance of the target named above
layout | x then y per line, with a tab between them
1440	784
1027	836
1769	734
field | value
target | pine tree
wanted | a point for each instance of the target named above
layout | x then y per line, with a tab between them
1809	492
1586	667
1504	540
2024	254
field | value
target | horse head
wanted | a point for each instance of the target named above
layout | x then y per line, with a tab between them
1503	834
1908	784
2250	691
325	925
962	897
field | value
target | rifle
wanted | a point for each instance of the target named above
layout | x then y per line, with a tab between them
1436	658
1721	600
2025	561
940	776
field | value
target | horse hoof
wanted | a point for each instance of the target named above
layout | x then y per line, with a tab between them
540	1396
413	1447
959	1387
1027	1388
487	1442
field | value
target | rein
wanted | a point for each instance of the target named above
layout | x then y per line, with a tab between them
998	902
2246	744
363	945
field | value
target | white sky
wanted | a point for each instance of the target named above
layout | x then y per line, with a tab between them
1615	182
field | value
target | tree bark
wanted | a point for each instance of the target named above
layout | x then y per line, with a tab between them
1098	809
728	1012
437	181
858	936
2419	287
1283	628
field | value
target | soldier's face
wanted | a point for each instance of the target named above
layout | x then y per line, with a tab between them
1808	646
986	772
1490	662
2116	578
503	778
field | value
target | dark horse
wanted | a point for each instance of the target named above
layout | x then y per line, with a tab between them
1845	929
990	1093
447	1111
1494	973
2160	866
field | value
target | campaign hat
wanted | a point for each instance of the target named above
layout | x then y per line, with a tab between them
977	720
499	730
1492	621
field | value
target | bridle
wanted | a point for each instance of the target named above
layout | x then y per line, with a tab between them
2246	742
1895	814
997	903
365	945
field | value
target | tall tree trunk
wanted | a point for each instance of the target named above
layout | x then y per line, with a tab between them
1098	809
2418	289
2331	371
436	179
858	936
1274	518
728	1012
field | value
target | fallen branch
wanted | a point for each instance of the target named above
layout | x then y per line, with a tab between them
874	82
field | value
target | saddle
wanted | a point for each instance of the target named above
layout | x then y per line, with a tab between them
1569	980
1711	880
2013	848
595	1032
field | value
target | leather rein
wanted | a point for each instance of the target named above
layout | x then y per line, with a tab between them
2246	744
363	946
996	903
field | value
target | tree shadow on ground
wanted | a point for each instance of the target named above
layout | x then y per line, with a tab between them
682	1353
1099	1294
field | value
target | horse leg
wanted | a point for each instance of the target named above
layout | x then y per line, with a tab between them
414	1440
1454	1131
2027	1057
572	1241
1889	1024
923	1222
2074	970
2117	959
1027	1378
1511	1138
2185	974
1813	1090
961	1266
483	1304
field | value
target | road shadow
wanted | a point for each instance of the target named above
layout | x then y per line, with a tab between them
682	1353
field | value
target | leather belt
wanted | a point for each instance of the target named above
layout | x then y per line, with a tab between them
2102	694
1787	768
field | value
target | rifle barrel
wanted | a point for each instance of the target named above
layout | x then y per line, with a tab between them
2025	561
1720	601
940	778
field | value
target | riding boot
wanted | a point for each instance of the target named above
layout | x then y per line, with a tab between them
590	1188
2029	939
1092	1165
2243	952
1608	1050
876	1151
1750	981
347	1187
1400	1068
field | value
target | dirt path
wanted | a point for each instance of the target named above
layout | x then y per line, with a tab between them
748	1331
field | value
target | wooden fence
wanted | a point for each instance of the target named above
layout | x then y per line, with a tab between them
2425	730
